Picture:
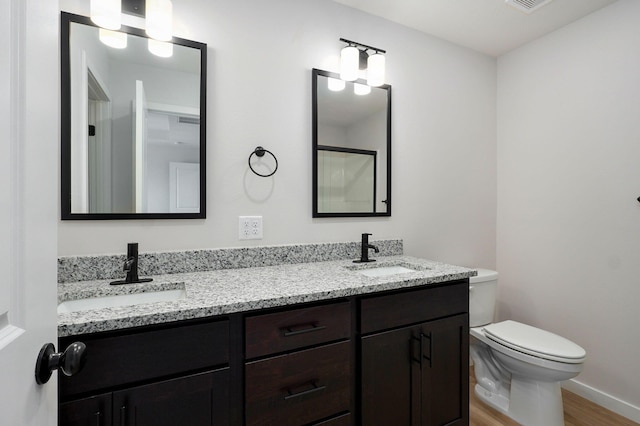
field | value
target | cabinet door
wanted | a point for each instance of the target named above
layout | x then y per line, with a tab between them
445	371
198	400
391	378
92	411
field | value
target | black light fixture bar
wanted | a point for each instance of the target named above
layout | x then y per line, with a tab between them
355	43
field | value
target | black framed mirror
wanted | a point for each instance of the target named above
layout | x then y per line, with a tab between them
133	131
351	147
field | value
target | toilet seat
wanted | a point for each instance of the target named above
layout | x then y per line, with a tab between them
534	341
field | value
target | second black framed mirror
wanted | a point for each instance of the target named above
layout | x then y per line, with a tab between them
351	147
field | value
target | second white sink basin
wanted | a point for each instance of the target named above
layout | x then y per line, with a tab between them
384	271
121	300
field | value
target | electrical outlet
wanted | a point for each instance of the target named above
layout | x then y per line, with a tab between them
250	227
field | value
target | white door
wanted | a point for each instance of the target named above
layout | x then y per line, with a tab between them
29	152
140	145
184	187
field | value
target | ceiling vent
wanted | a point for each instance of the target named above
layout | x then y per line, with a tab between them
527	6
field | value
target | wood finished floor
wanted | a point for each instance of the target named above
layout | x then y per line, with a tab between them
577	412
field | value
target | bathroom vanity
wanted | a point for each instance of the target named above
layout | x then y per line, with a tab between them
312	343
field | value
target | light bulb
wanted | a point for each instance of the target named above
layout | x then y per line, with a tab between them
106	13
113	39
376	70
361	89
349	63
159	19
335	84
160	48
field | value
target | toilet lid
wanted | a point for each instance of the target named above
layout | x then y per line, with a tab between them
534	341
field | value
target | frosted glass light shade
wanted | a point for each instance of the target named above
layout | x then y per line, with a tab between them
335	84
159	19
106	13
349	63
361	89
113	39
160	48
376	70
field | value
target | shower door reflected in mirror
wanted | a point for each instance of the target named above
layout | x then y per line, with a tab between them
351	149
133	126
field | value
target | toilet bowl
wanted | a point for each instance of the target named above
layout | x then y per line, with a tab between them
518	367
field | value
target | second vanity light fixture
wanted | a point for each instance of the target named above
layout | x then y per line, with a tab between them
107	14
356	57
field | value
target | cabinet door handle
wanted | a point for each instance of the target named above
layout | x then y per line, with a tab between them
417	340
422	355
315	388
123	415
98	414
289	331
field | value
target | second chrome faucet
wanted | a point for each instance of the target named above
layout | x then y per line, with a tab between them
364	250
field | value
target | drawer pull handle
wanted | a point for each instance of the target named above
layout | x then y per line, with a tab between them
289	331
98	414
422	337
315	388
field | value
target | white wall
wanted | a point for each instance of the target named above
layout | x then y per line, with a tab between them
259	93
568	178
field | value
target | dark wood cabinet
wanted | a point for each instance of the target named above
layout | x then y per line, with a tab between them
94	410
305	373
197	400
416	374
162	375
390	358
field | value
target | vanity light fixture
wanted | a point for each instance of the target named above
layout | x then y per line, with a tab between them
355	57
361	89
159	19
106	13
162	49
112	38
158	15
335	84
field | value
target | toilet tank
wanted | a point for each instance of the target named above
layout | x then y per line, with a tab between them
482	297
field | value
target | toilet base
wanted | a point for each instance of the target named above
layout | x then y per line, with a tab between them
529	403
492	399
535	403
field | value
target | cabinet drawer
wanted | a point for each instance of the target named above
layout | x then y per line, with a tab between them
143	355
343	420
413	306
299	388
296	328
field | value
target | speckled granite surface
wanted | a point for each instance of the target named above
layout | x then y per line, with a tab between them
225	291
84	268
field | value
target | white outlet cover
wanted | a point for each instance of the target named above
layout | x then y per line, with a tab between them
250	227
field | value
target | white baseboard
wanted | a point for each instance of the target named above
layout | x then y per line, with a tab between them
603	399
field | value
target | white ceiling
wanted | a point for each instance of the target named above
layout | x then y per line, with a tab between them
488	26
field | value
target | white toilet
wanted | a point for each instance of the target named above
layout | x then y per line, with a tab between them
518	367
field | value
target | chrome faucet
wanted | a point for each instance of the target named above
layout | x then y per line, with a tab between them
131	267
364	250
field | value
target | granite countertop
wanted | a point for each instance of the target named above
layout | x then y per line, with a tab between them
227	291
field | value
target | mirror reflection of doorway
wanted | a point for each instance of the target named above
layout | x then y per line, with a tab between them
172	160
98	145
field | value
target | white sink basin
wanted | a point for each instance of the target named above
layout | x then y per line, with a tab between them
383	271
121	300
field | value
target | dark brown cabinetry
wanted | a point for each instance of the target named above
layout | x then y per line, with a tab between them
416	374
169	375
305	377
393	358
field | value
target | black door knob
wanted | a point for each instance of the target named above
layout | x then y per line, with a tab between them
69	362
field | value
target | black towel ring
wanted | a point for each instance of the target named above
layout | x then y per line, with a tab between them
259	151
